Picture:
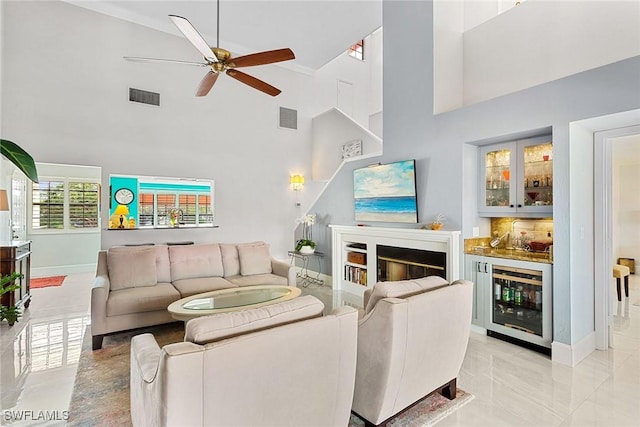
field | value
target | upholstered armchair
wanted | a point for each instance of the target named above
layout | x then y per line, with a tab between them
411	342
280	365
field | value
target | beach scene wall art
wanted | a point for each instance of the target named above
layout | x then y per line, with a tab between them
386	193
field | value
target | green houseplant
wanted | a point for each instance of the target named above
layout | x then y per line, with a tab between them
20	158
7	284
306	243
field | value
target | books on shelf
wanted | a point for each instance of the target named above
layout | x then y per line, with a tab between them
356	275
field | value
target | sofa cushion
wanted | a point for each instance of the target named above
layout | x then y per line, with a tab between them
193	261
188	287
402	289
258	279
163	269
139	300
132	268
230	259
254	258
220	326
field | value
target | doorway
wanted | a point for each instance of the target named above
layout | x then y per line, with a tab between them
610	146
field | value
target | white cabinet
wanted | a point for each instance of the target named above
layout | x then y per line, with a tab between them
478	270
516	178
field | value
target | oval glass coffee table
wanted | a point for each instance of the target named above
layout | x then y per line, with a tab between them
233	299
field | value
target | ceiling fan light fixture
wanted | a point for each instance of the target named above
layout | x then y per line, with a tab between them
220	60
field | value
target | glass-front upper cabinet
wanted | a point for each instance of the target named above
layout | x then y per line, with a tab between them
517	178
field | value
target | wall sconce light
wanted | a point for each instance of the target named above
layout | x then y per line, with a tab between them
297	182
122	211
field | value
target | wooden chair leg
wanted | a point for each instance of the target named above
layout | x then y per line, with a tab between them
626	286
618	288
449	390
96	342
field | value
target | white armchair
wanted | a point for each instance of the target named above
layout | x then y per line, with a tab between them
278	365
411	342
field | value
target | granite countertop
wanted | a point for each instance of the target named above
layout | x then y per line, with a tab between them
480	246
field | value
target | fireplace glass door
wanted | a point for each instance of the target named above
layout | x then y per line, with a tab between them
405	263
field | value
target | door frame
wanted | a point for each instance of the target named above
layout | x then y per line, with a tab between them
603	230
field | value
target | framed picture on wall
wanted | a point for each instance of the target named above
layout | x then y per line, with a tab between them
352	149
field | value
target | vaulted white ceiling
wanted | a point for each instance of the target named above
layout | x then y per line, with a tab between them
316	30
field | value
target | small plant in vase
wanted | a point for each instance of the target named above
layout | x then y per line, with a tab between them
7	284
306	245
438	222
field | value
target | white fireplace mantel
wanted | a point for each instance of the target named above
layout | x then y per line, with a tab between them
369	237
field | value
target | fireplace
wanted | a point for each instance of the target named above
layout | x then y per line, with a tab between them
362	256
396	263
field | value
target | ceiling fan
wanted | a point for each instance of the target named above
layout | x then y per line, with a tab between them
220	60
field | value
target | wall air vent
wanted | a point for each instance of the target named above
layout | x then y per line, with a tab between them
288	118
144	97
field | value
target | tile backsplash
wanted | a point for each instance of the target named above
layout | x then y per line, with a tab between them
520	229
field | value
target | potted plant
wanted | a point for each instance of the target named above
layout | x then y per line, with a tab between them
7	284
306	245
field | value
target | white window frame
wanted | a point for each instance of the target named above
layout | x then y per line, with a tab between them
67	228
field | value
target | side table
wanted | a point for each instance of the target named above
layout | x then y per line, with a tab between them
303	274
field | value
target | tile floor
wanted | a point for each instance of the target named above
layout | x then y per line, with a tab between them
512	385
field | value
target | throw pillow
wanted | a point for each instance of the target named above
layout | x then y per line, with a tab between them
132	269
403	289
216	327
230	260
254	258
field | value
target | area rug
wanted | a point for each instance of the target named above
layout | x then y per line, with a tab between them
101	391
45	282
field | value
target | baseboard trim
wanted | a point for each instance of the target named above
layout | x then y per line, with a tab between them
62	270
571	355
478	329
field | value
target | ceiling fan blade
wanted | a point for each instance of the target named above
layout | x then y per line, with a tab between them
253	82
171	61
207	83
194	37
261	58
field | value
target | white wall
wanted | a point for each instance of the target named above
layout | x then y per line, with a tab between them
330	131
540	41
56	252
365	76
448	29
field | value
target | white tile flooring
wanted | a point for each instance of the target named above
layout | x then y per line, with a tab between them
512	385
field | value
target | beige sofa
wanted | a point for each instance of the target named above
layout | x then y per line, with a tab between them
278	365
134	285
411	342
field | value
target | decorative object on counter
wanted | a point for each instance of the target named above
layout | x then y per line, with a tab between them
120	215
497	240
438	222
306	245
175	215
7	284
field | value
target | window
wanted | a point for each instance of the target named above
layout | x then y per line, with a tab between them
357	50
158	202
83	204
62	204
48	205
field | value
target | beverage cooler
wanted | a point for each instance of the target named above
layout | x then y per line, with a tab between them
520	305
